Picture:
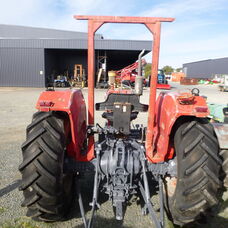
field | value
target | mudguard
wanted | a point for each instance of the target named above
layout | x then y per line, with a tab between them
170	107
72	102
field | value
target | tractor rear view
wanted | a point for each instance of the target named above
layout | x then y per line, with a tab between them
178	148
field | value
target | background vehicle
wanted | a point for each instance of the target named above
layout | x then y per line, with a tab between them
127	74
162	83
223	86
61	81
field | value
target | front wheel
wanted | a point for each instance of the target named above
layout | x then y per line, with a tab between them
195	188
47	189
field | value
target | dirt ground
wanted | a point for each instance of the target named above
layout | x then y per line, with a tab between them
17	107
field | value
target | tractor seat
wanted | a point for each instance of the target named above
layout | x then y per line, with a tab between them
109	116
113	98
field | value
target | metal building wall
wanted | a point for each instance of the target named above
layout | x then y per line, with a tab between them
207	68
201	69
21	67
22	52
220	66
76	44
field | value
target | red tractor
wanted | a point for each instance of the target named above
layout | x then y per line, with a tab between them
179	148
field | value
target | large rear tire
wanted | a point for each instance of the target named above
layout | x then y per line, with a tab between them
47	189
194	190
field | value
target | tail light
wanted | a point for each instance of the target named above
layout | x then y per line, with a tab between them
201	109
46	103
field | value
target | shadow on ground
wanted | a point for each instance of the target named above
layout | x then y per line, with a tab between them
12	186
106	223
87	193
214	218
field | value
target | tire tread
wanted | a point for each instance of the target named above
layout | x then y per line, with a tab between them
198	166
42	168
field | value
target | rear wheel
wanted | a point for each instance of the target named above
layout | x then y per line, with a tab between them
195	187
47	189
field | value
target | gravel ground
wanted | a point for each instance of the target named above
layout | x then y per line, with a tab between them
17	107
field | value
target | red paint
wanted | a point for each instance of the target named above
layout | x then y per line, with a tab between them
119	90
155	30
162	115
163	86
167	111
129	72
123	19
154	25
71	102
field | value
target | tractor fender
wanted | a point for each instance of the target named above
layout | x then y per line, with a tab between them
221	131
72	102
169	109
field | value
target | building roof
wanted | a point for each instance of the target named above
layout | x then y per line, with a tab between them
25	32
12	36
206	60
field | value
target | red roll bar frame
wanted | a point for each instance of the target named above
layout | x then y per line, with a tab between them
154	26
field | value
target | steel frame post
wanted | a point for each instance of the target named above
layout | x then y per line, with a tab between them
154	26
155	29
93	26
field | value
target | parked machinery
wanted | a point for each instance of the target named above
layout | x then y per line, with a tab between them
179	148
79	79
223	86
61	81
102	81
128	74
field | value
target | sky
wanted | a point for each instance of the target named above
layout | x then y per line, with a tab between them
199	32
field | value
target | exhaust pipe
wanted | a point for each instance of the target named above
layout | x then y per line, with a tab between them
139	78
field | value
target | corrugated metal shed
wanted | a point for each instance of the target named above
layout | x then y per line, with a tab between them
206	68
9	31
23	51
21	67
75	44
13	36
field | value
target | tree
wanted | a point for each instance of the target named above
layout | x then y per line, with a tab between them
147	70
167	69
179	69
